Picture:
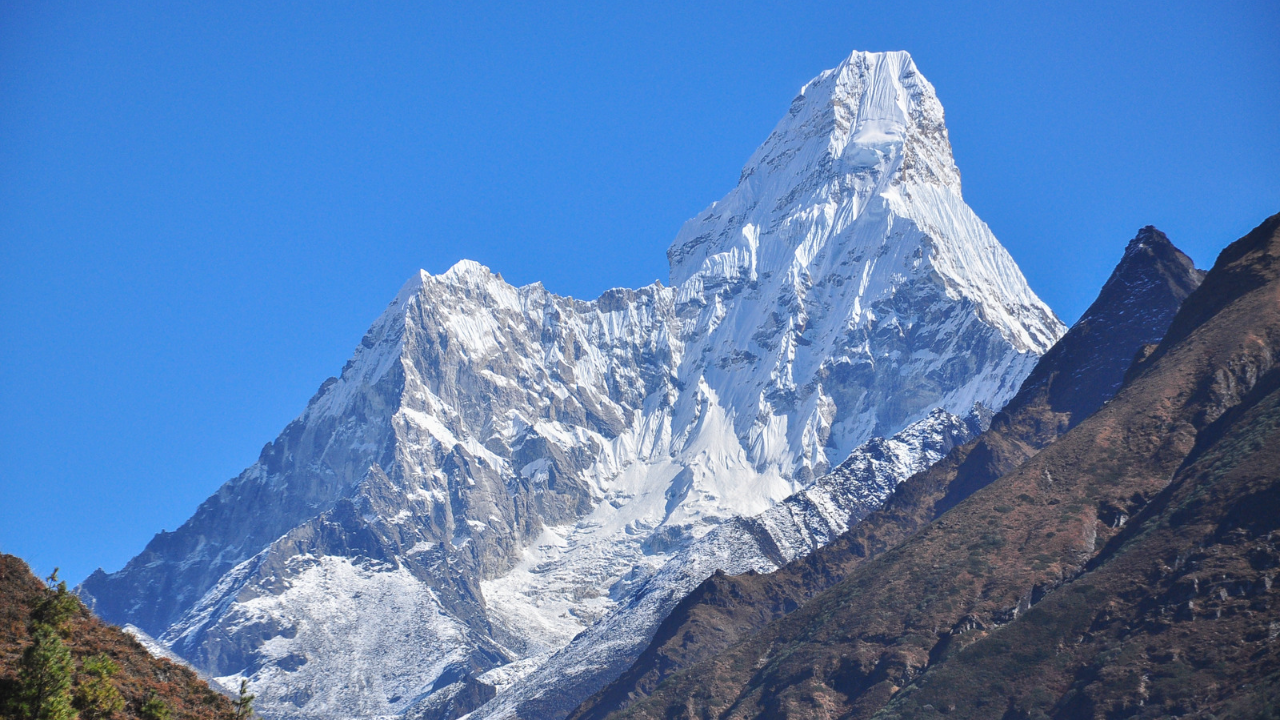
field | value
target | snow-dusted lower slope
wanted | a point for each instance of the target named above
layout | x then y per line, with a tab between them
158	649
762	543
499	468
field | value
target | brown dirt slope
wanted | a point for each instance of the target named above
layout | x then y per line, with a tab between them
988	560
187	696
1175	620
1076	376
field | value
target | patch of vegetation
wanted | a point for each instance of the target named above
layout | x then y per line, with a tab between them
59	662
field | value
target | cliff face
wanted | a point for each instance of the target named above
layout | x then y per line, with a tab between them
1072	380
140	676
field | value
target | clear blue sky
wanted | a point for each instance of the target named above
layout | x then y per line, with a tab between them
203	205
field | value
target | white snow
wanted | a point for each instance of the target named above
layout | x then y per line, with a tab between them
795	527
366	639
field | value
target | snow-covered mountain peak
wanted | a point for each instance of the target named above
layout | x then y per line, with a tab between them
411	287
846	216
866	109
854	195
498	468
467	271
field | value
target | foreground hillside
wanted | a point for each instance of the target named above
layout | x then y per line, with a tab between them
1123	571
141	677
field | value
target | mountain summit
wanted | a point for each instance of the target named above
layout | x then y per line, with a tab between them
498	468
846	226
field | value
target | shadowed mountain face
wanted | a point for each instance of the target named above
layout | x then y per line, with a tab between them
1175	617
1086	367
1059	589
1072	380
1133	309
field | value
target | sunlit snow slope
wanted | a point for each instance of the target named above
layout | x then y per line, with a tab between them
499	468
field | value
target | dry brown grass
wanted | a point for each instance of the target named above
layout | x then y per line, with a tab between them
187	696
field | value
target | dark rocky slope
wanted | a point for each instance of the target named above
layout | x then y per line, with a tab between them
993	557
1073	379
140	676
1176	618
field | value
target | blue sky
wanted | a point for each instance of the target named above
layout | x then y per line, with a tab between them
203	205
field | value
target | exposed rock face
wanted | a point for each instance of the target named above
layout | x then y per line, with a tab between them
1071	381
1133	310
1123	571
498	468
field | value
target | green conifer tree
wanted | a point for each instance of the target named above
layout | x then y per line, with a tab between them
96	697
155	709
57	607
44	677
244	703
